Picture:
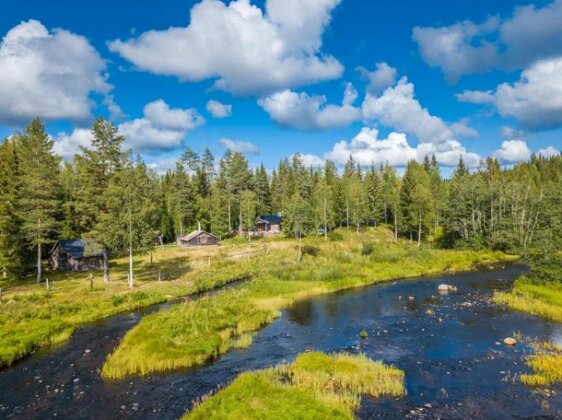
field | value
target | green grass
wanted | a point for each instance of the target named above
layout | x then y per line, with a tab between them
546	364
192	333
32	317
315	386
539	292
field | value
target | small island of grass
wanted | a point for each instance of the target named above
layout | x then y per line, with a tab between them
316	385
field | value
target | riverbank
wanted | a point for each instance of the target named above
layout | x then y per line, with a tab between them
538	292
33	317
192	333
316	385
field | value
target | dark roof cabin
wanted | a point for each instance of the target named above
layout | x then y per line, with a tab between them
76	255
198	238
268	224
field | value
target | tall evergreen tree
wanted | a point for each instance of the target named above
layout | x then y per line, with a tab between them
41	189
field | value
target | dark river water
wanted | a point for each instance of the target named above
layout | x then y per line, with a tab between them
455	362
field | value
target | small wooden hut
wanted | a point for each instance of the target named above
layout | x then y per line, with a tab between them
198	238
268	225
76	255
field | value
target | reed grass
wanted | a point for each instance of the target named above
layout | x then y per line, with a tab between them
546	365
315	386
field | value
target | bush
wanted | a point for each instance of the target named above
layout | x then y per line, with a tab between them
118	300
335	236
313	251
367	249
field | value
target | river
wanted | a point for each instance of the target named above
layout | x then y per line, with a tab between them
450	347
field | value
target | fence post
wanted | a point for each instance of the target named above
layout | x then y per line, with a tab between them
91	281
209	261
48	285
159	276
0	295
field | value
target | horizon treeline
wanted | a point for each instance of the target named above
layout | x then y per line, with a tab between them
110	197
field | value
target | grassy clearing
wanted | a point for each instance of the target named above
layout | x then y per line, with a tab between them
315	386
546	364
32	317
194	332
539	292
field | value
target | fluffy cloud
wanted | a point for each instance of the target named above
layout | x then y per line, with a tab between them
529	35
161	128
219	110
67	145
513	151
240	146
368	149
549	152
248	50
48	74
398	108
307	112
309	160
382	77
535	100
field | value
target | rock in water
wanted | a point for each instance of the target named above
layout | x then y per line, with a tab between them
509	341
446	288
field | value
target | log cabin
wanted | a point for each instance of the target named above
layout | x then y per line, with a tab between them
76	255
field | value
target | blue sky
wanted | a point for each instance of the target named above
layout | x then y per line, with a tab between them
468	78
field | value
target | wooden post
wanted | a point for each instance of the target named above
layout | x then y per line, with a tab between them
209	261
159	276
91	281
0	295
48	285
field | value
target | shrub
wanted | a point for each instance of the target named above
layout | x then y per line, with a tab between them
118	300
313	251
367	249
335	236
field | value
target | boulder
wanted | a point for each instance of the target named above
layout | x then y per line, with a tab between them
447	288
509	341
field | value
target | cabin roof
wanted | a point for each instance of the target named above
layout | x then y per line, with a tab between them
194	235
78	248
270	219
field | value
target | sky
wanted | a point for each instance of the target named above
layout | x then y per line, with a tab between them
382	81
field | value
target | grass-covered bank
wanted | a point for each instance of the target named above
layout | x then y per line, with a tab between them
315	386
32	317
538	292
191	333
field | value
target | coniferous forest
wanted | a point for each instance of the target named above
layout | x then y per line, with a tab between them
108	195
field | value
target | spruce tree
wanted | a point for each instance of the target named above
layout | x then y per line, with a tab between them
40	200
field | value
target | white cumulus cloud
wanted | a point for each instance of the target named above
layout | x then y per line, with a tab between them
535	100
368	149
218	109
530	34
247	50
513	151
49	74
379	79
161	128
311	112
398	108
240	146
67	145
549	152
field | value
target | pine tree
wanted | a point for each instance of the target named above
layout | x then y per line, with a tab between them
96	167
41	190
14	253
